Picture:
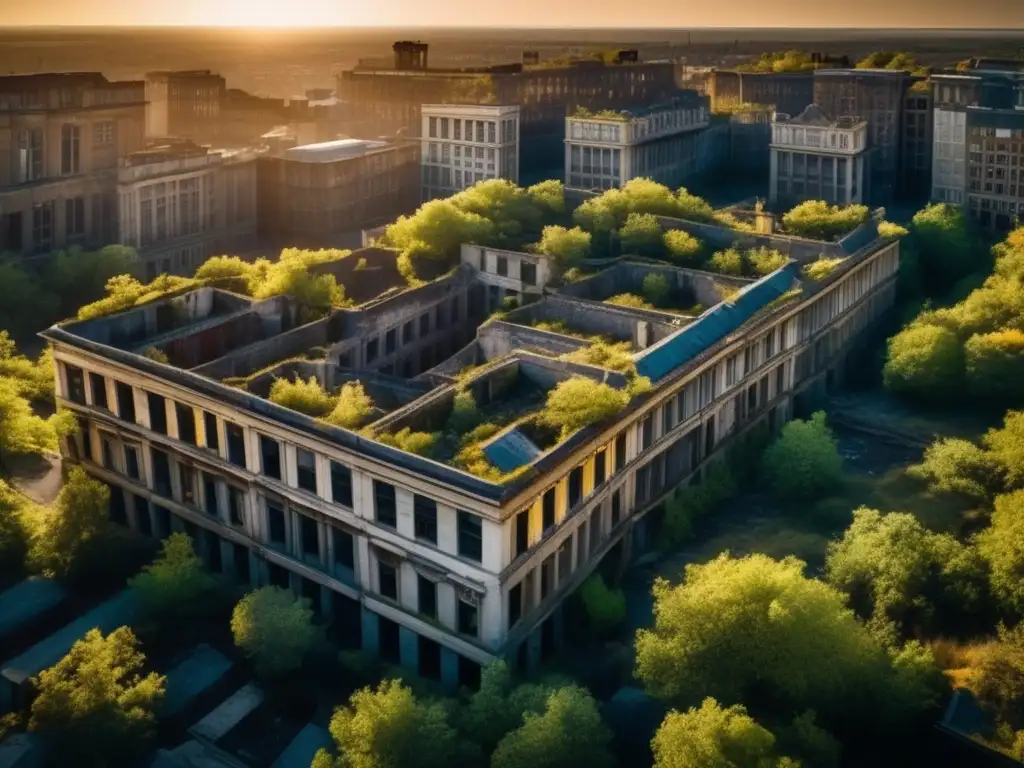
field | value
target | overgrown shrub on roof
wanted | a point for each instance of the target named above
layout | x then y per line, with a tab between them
420	443
656	289
821	268
682	247
614	356
125	292
763	261
609	210
629	300
578	402
353	407
755	262
306	397
818	220
641	235
727	262
567	247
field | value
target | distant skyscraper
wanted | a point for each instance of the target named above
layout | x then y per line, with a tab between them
463	144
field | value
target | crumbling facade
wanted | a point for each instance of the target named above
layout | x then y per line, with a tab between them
60	139
408	556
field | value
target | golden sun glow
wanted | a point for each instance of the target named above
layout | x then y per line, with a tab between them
270	14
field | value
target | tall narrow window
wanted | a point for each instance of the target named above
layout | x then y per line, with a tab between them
306	461
236	444
470	537
384	503
125	402
548	509
427	596
98	384
186	423
341	484
425	518
157	413
270	457
70	137
276	523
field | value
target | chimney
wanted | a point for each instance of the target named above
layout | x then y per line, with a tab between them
410	55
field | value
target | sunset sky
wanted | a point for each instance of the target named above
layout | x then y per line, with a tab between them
1005	14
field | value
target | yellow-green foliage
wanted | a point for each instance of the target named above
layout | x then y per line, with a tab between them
609	210
353	407
606	608
465	415
578	402
821	268
568	247
33	380
656	289
818	220
420	443
156	355
223	267
289	275
727	262
888	229
306	397
629	300
682	247
764	261
125	292
616	356
994	363
780	61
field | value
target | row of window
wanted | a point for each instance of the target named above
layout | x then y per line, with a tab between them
469	543
474	130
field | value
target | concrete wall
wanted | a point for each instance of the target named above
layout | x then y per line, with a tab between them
628	277
640	327
499	338
264	352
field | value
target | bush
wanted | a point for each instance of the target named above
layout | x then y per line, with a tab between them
13	536
578	402
465	415
821	268
994	364
274	630
888	229
1002	546
656	289
682	247
420	443
727	262
617	356
629	300
1000	684
818	220
641	235
605	607
804	462
924	360
95	707
567	247
353	407
763	261
306	397
712	736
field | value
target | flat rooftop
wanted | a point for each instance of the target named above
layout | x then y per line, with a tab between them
333	151
417	352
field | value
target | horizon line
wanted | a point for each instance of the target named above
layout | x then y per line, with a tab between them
274	28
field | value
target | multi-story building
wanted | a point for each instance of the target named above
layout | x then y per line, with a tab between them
324	194
814	157
877	96
787	92
60	139
380	101
951	95
181	203
916	147
463	144
606	149
995	167
184	104
409	556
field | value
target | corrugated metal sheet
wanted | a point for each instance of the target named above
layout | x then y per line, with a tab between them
668	354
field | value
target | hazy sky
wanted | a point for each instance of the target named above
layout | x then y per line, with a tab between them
1004	14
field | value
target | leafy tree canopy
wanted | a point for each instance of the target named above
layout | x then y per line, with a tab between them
713	736
578	402
95	707
641	235
924	360
274	629
568	247
175	587
1002	546
818	220
804	462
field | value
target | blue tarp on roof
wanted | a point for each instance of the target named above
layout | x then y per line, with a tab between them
203	667
511	450
714	325
29	599
304	747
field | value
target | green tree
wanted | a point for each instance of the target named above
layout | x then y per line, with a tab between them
1000	676
389	728
605	607
1006	447
306	397
498	706
727	262
943	242
804	462
895	570
26	306
578	402
274	629
22	432
693	208
175	587
763	261
755	625
682	247
567	247
465	415
924	360
713	736
13	536
95	707
549	197
78	277
656	289
1002	546
437	231
954	465
641	235
568	734
73	537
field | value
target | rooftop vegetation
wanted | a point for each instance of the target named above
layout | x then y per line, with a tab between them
349	408
616	356
818	220
892	60
821	268
602	114
780	61
754	262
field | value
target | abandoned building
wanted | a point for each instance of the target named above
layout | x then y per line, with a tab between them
378	100
661	142
429	559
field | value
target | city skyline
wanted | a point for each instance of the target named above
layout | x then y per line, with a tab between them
984	14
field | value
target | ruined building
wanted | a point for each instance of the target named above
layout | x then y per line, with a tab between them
385	101
60	139
446	559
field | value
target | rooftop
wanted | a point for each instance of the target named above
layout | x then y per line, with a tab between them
815	116
333	151
421	377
